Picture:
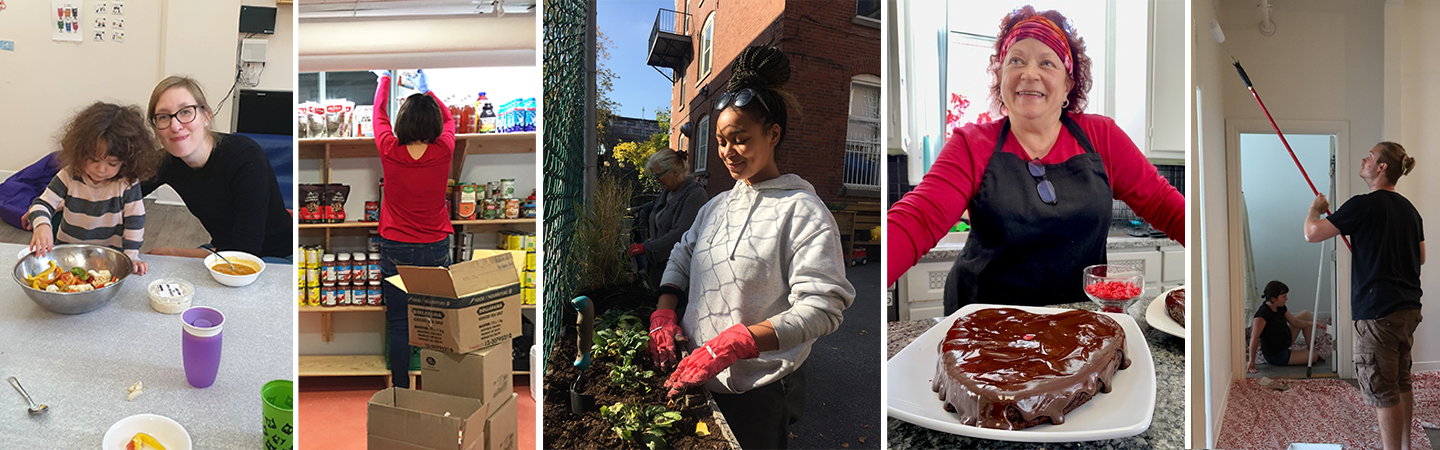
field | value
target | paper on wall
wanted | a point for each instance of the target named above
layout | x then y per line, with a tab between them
65	20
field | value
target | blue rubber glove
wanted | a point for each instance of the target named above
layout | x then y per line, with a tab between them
380	73
424	82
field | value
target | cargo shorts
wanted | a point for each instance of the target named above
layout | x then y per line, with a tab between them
1382	356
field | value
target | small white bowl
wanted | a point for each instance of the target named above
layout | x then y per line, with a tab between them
168	432
232	280
170	295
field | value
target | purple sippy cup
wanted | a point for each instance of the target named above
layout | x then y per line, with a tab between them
201	344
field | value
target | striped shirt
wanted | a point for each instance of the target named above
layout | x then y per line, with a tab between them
110	213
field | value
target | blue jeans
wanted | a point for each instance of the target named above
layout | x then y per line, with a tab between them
392	254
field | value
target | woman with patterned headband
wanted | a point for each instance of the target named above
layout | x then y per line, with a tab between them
1038	183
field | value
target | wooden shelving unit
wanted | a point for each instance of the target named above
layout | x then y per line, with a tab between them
330	149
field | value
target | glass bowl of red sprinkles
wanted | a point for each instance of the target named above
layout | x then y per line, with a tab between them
1113	287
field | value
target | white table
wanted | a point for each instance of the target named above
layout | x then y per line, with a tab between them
82	365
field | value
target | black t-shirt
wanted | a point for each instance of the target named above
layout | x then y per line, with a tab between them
235	196
1385	271
1276	334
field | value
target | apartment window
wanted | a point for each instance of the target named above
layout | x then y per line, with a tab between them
702	144
680	78
707	44
862	135
868	8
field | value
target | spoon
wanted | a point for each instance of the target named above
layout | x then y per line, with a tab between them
222	258
35	409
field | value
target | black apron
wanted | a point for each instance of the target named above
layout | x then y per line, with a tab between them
1022	251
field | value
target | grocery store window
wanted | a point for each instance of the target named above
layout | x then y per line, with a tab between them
707	44
702	144
862	135
460	88
358	87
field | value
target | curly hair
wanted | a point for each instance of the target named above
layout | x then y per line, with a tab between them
766	70
1080	75
124	132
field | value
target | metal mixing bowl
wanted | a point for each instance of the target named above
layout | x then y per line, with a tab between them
89	257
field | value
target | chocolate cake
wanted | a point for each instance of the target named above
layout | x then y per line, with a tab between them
1175	305
1009	369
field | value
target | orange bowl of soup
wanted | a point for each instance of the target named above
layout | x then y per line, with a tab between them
247	268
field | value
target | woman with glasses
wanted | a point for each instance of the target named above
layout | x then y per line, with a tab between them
671	214
761	267
225	179
1038	183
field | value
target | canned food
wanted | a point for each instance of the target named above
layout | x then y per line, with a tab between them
511	209
374	268
327	296
372	211
372	293
358	294
530	260
527	296
515	241
342	296
493	187
529	280
312	296
312	277
490	210
312	256
507	188
373	245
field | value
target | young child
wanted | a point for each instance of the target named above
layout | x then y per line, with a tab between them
106	151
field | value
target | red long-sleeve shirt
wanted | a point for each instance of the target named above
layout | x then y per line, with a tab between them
414	208
923	216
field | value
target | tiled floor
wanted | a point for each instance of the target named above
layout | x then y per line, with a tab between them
332	412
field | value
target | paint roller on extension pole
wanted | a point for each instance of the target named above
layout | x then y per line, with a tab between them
1310	358
1246	78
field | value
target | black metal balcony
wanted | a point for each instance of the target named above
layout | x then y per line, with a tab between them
670	44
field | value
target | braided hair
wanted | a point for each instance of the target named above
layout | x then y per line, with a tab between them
766	70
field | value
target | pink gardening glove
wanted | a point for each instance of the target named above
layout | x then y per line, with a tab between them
663	332
733	344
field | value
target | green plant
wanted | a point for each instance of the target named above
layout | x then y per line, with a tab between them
602	236
645	425
624	344
629	377
619	318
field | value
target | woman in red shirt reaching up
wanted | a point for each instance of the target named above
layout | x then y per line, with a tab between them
414	219
1038	183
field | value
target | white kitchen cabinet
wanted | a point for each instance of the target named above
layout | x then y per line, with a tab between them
1147	260
1173	266
922	290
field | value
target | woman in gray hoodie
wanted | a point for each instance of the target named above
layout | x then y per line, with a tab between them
761	266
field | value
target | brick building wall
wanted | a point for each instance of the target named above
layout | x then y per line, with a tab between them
826	47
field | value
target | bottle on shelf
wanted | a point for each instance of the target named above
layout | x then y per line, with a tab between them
487	114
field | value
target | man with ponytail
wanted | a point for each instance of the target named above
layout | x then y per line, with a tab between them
761	266
1389	247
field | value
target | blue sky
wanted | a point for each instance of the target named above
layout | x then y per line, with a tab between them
638	86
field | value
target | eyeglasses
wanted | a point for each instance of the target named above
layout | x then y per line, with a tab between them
184	115
1046	190
741	98
662	174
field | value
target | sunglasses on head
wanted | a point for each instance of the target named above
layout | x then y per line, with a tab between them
1045	188
741	98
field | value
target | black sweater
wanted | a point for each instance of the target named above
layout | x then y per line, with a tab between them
235	196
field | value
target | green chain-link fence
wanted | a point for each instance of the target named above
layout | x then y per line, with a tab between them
564	165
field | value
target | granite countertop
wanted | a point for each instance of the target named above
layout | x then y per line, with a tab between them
951	251
1167	426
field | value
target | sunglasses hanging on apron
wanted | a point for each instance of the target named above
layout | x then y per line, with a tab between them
1033	228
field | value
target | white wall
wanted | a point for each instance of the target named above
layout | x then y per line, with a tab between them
1275	195
1410	31
279	72
1210	367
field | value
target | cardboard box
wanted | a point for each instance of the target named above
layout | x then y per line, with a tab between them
486	374
405	419
502	430
465	307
